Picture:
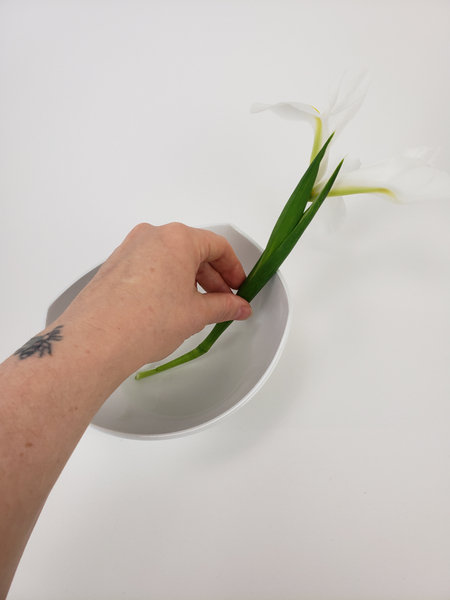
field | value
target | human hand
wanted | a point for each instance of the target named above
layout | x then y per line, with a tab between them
140	306
145	295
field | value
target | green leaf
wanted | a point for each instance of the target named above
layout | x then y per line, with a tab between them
267	269
290	226
295	206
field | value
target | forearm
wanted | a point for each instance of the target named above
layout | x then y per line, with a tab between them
46	403
141	305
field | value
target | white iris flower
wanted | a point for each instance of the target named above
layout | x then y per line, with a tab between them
411	177
344	102
408	178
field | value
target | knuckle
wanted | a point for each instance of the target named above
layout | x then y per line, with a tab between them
174	233
140	230
143	228
175	228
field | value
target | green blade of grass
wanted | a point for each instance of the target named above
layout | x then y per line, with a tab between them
201	349
265	268
295	206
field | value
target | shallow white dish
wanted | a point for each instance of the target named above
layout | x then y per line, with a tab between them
193	396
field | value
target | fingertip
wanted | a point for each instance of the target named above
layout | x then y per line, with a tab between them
219	308
243	313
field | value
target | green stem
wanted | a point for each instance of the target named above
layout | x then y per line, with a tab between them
201	349
352	190
317	139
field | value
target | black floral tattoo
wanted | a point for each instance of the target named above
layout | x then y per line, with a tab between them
41	344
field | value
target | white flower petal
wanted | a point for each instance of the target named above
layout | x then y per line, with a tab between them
423	183
345	104
350	164
291	111
408	179
428	154
332	214
342	106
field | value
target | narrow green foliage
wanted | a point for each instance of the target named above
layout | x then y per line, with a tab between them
295	206
278	256
288	229
201	349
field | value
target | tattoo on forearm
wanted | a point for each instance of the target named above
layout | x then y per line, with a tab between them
41	344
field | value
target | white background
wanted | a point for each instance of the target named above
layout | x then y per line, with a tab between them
333	482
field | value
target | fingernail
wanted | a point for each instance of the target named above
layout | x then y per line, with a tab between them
243	313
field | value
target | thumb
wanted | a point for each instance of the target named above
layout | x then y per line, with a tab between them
220	307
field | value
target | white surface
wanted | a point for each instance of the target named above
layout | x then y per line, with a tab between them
334	480
197	395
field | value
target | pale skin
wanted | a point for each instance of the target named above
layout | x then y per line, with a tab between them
141	305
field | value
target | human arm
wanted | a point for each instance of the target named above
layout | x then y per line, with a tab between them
142	304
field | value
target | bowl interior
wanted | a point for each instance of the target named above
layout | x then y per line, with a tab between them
197	394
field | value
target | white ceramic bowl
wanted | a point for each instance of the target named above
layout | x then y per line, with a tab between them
193	396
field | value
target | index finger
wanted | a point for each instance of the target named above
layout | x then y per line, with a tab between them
217	251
